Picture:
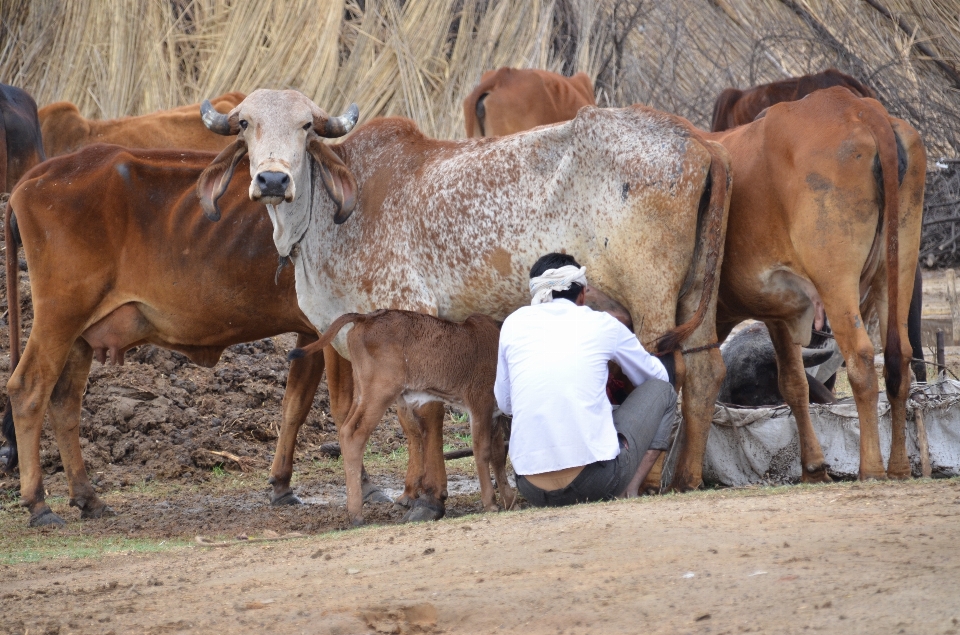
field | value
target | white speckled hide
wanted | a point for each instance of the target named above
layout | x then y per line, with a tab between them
452	228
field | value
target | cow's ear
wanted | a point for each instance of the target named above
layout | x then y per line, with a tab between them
214	180
337	178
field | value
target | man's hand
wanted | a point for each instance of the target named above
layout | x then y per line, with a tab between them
646	464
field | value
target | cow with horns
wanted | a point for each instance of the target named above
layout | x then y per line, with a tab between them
450	228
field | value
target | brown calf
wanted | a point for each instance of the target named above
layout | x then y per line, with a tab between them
422	359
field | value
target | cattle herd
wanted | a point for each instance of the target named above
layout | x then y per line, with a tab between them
801	209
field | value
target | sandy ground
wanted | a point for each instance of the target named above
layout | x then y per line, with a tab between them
844	558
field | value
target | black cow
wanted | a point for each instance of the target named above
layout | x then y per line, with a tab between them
21	147
752	378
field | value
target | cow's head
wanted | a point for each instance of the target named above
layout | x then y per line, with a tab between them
280	130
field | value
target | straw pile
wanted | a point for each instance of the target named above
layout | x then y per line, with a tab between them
419	59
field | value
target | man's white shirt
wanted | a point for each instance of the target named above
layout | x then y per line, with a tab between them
552	377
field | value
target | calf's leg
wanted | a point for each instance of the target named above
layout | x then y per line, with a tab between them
481	428
498	458
430	503
354	434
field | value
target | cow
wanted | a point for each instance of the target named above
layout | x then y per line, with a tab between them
420	358
752	378
120	254
65	130
826	210
392	219
20	144
512	100
735	107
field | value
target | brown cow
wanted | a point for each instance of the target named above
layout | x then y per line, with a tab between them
417	358
736	107
65	130
20	144
826	208
512	100
113	266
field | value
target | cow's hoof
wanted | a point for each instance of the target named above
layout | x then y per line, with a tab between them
287	498
817	474
424	510
873	476
373	494
46	518
404	500
101	511
357	522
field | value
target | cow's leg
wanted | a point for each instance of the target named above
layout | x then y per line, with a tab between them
302	381
704	371
412	425
64	410
898	466
430	503
796	392
29	390
354	434
915	327
851	335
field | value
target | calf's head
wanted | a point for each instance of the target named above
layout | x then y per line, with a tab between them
282	132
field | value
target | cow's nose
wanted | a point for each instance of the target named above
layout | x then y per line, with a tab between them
273	183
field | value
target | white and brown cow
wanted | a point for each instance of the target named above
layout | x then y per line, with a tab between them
452	228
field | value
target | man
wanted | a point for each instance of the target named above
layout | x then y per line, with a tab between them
566	444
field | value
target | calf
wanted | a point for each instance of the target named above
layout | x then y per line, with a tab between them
420	358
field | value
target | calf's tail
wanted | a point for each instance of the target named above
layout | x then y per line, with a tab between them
326	338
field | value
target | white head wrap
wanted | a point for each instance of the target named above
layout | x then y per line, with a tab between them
543	286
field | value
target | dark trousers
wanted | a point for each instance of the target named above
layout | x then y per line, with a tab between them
644	422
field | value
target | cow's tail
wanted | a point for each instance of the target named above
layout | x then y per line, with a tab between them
722	108
711	237
13	310
878	123
326	338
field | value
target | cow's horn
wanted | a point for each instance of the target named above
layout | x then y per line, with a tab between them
215	121
331	127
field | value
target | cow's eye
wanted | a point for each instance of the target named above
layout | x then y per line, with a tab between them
243	124
307	125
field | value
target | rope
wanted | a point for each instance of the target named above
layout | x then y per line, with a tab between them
700	349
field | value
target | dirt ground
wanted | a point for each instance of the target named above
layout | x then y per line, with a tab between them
845	557
842	558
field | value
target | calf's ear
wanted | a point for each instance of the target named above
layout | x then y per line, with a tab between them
214	180
337	179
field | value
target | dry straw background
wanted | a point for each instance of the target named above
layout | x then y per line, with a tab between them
420	58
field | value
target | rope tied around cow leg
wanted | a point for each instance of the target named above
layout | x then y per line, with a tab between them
700	349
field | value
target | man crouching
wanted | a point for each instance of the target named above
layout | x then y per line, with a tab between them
566	444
